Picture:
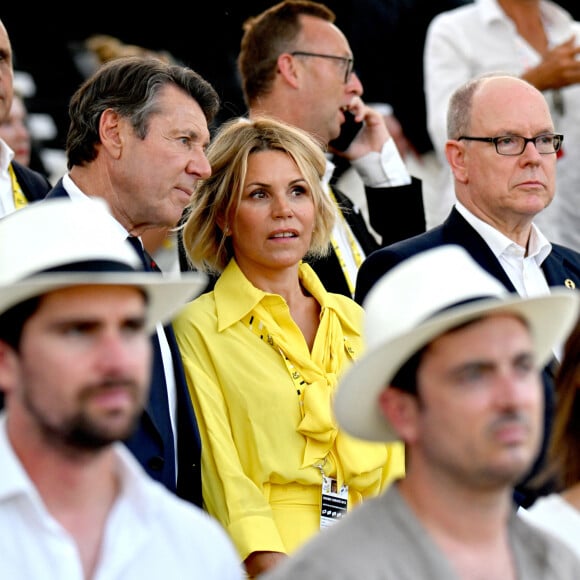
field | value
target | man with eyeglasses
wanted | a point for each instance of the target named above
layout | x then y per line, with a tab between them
516	144
502	149
534	39
297	66
347	61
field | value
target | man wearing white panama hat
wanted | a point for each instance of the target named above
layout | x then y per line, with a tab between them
75	363
455	374
500	191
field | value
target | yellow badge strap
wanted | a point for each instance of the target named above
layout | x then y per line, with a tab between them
260	330
352	242
300	384
19	198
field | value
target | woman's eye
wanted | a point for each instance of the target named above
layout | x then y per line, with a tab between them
258	194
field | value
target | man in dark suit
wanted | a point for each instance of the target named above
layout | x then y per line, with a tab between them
503	150
137	138
19	185
33	184
297	66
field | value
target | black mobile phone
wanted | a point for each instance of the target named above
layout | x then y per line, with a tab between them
348	132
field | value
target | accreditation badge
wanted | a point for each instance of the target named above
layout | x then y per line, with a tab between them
334	502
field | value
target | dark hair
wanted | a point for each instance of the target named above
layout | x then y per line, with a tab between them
130	86
12	321
406	377
267	36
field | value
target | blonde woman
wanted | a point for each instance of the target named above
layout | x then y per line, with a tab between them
263	350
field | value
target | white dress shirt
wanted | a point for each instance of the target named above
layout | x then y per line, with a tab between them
524	271
6	194
150	533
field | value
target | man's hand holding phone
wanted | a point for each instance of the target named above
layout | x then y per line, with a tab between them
364	131
348	131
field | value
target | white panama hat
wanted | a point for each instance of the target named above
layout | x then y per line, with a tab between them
420	299
58	243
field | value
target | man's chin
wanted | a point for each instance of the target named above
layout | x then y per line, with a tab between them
97	435
514	470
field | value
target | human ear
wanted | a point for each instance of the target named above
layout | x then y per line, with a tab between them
224	226
111	132
455	153
288	69
400	409
8	367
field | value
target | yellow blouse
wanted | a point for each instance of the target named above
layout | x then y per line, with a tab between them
264	405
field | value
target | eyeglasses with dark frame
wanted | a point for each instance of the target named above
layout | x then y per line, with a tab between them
348	62
546	143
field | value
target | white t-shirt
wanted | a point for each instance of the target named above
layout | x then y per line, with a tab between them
555	515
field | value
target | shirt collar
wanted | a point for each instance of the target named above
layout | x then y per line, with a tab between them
135	484
330	167
491	11
75	193
538	246
6	156
232	281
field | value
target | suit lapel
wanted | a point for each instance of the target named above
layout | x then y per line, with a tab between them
457	230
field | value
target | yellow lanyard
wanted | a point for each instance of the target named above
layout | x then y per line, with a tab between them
260	330
353	246
300	383
19	199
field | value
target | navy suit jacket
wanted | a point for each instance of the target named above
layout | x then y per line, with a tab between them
561	268
34	185
152	443
562	264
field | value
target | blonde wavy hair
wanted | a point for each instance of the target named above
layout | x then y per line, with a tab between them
217	198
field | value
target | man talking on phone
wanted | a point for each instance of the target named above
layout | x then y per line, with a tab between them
297	66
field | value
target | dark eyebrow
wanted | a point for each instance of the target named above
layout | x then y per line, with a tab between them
196	136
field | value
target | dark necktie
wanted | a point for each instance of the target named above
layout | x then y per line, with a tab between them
149	264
